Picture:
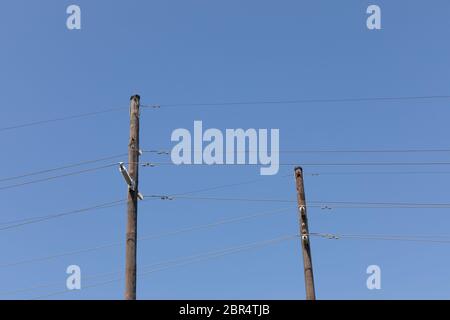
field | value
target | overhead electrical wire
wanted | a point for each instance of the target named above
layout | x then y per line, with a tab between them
195	258
69	166
226	104
211	255
64	118
308	164
301	101
170	197
311	204
184	195
425	239
350	173
186	260
224	186
26	183
325	173
33	220
382	203
148	164
151	236
324	151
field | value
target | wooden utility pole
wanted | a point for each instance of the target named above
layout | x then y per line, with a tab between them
304	232
133	163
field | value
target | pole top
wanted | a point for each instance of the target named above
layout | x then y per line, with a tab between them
136	96
298	168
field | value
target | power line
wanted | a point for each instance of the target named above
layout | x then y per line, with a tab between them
301	101
56	177
383	237
382	203
210	255
224	186
28	221
161	152
377	164
72	117
221	253
148	237
324	151
349	173
188	260
33	220
315	204
69	166
307	164
331	207
215	104
170	197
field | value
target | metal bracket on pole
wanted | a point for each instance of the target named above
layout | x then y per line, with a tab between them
130	182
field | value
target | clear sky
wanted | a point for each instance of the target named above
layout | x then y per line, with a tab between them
196	51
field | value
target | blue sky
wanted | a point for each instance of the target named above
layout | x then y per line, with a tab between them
220	51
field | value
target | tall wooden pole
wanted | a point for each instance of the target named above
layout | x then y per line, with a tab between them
304	232
131	236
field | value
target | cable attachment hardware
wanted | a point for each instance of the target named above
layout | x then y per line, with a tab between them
331	236
163	152
149	164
